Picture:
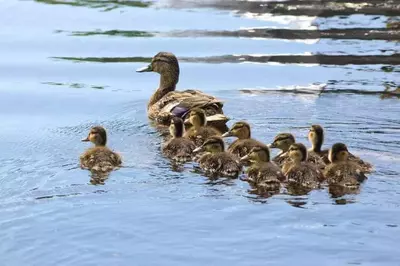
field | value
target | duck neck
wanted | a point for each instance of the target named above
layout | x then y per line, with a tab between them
168	81
317	145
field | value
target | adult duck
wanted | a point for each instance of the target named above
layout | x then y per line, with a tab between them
166	103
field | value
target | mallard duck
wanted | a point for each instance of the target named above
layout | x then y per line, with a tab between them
243	145
199	131
300	172
283	141
216	161
100	158
316	137
262	172
178	148
166	102
342	171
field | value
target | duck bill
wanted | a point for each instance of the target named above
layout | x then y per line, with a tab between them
85	140
227	134
271	145
244	158
145	69
198	149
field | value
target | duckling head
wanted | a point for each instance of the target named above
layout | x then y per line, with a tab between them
338	153
197	117
240	130
257	155
212	145
316	137
97	135
282	141
298	152
166	64
176	127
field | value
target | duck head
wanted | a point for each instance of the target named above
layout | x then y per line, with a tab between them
212	145
282	141
97	135
338	153
166	64
240	130
257	155
298	152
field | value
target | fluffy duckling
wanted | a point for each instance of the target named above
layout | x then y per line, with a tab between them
166	102
216	161
243	145
299	171
316	137
178	148
342	171
100	158
283	141
199	131
262	172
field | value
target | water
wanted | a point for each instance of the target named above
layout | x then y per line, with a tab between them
281	69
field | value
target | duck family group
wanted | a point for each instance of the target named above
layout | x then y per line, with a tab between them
197	127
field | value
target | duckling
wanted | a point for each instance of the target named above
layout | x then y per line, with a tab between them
216	161
283	141
299	171
243	145
99	159
342	171
199	131
166	102
262	172
178	148
316	137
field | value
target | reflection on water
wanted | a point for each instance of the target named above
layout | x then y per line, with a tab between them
280	65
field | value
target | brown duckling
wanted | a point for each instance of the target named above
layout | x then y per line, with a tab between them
316	137
262	172
199	131
216	161
100	158
243	145
166	102
342	171
299	171
178	148
283	141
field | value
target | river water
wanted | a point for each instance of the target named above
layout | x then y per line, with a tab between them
282	66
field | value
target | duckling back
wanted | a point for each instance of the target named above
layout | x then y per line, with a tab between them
241	147
347	174
200	135
220	164
100	159
179	149
265	175
303	174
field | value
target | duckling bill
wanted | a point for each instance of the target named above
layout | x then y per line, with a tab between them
166	103
99	158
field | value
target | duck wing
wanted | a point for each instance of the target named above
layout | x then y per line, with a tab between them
179	103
